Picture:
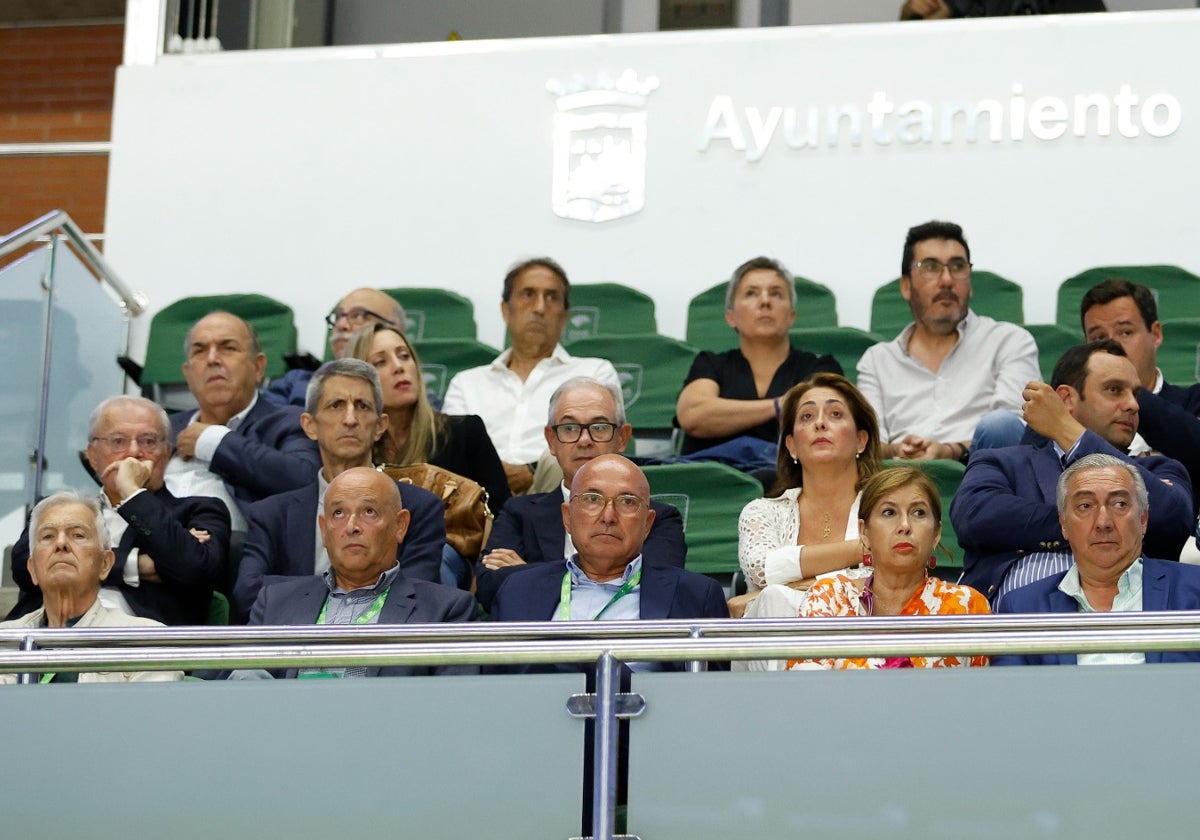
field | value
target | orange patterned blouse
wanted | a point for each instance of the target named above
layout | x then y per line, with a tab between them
840	595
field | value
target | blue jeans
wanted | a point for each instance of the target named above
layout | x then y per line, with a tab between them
1001	427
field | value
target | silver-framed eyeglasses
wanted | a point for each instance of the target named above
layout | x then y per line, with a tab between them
625	504
931	269
357	316
121	443
572	432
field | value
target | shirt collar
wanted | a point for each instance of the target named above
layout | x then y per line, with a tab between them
578	578
236	420
907	332
1129	581
385	580
1158	381
560	356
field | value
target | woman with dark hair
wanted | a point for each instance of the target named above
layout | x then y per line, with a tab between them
829	447
900	523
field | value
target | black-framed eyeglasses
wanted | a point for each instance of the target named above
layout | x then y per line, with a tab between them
931	269
593	504
357	316
572	432
121	443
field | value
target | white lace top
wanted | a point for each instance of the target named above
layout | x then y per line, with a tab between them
767	534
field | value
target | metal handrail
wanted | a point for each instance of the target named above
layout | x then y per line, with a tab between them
86	148
551	643
56	220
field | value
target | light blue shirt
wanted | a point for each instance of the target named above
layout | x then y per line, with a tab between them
1128	599
588	597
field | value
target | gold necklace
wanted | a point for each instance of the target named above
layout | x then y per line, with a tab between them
826	521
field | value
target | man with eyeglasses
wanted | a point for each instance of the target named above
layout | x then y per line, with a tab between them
510	393
171	553
952	380
586	420
356	310
609	519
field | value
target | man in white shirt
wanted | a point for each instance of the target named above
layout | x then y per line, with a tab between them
512	392
934	383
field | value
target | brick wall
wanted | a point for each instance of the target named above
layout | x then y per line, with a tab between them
56	84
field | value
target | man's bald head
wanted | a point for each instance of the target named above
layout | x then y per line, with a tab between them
361	307
362	525
609	515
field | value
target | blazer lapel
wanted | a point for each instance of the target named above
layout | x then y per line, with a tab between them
551	534
1155	594
657	592
302	533
1060	602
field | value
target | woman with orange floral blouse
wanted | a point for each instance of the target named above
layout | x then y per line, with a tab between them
900	523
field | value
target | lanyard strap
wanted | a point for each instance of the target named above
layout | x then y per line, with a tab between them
366	618
564	597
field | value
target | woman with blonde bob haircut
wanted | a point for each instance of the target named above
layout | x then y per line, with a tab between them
900	525
829	446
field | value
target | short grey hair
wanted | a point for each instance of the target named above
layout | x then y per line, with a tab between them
759	264
69	497
112	403
351	367
576	382
1102	461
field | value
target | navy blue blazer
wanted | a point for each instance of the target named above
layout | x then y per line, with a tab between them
1167	421
281	541
298	601
267	454
159	526
1005	506
532	526
1165	586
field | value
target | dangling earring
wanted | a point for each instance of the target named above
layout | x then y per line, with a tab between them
795	460
867	559
857	455
932	562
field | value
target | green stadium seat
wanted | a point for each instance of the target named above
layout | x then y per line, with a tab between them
816	306
162	375
1176	290
441	358
651	369
607	309
947	475
846	344
1179	355
991	295
434	313
710	497
1052	341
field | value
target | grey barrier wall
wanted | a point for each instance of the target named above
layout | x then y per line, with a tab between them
1013	753
417	757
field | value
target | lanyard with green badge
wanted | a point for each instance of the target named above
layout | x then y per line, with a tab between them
367	617
564	598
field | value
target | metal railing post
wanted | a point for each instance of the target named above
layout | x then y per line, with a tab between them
604	761
39	454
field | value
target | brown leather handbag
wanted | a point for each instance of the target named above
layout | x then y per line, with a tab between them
468	517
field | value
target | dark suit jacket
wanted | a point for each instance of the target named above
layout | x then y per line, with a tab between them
1005	506
532	526
159	526
1167	421
298	601
267	454
281	541
665	591
1165	586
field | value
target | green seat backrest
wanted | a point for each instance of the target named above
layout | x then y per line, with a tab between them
441	358
991	295
846	344
271	319
1179	355
607	309
710	497
435	313
947	475
1052	341
816	306
651	368
1177	291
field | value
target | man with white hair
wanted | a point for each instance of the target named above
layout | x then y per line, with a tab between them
68	559
171	552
